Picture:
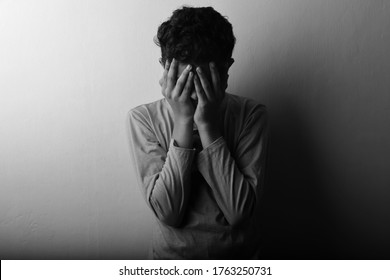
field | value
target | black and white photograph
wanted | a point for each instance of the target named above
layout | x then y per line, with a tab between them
194	130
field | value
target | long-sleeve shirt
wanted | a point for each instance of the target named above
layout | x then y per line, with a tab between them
206	202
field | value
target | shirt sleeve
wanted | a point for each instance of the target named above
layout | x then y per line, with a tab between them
164	176
237	179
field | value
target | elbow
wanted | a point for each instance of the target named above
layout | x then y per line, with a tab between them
241	216
168	217
170	220
237	219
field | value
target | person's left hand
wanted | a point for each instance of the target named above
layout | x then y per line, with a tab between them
210	97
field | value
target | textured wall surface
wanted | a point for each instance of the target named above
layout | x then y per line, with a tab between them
70	71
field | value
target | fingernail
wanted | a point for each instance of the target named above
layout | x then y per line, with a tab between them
199	70
189	67
212	64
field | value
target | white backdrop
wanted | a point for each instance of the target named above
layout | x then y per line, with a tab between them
70	70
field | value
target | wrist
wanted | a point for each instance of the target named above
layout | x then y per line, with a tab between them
182	133
207	126
183	120
208	134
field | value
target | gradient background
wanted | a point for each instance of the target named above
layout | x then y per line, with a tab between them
70	70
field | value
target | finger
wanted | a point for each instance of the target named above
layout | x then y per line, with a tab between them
164	77
202	99
163	88
166	68
172	75
181	82
215	79
205	84
188	87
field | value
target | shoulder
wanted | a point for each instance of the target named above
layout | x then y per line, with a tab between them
147	112
244	107
153	119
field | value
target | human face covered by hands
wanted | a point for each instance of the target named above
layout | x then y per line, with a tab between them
177	90
210	96
196	81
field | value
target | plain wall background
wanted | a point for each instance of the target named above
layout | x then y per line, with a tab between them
70	70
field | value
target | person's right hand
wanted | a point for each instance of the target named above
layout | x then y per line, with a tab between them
177	91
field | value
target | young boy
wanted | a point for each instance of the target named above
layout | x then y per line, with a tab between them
199	152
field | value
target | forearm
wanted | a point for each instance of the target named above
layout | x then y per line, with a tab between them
233	189
171	186
208	133
182	132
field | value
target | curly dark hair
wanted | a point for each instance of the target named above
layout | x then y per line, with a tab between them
196	35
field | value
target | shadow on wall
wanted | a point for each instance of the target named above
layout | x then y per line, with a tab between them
326	187
297	219
297	216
